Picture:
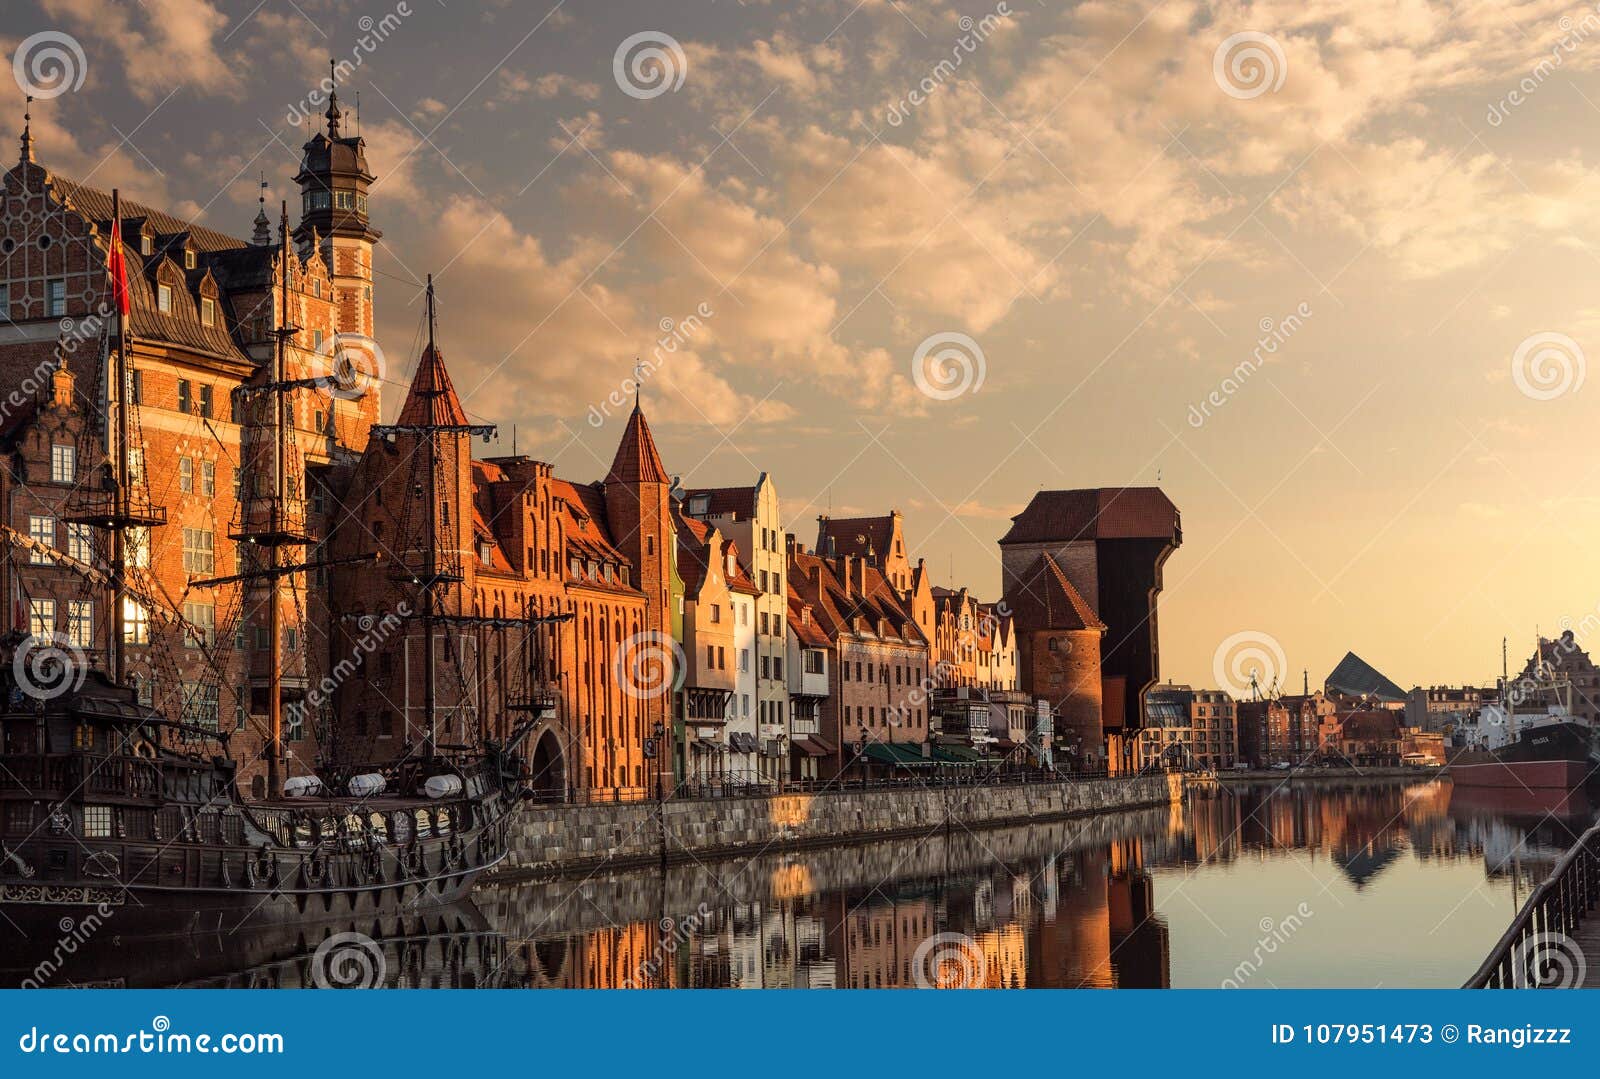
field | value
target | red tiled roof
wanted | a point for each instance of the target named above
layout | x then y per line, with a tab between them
637	460
431	400
808	633
1095	513
1372	726
1045	599
725	501
835	603
855	535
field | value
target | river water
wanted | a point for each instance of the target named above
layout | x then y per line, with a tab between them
1315	883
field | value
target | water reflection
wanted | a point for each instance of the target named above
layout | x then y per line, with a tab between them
1394	884
1345	884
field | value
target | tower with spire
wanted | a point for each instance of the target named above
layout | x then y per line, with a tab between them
334	181
637	501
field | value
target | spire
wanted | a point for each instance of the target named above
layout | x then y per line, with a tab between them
27	132
431	401
263	233
333	101
637	460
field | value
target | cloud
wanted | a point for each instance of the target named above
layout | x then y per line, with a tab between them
164	44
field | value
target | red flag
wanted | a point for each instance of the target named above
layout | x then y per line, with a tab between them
118	268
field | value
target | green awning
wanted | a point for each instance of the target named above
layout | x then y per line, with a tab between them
902	756
957	755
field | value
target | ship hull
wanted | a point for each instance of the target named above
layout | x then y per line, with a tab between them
1561	775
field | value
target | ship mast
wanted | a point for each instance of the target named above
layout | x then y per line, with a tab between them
119	461
114	508
434	566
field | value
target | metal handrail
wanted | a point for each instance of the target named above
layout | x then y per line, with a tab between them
1554	907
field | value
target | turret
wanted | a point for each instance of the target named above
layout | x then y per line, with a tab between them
334	181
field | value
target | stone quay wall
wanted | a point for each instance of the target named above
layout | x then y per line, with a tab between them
552	907
549	841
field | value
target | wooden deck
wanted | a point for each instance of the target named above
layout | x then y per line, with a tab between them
1587	938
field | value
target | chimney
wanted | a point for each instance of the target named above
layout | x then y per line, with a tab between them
861	576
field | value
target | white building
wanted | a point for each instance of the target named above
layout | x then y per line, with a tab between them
750	516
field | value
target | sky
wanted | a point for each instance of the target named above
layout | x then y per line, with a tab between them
1322	271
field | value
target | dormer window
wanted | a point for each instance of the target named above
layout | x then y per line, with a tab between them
164	299
316	287
208	311
147	246
188	259
485	552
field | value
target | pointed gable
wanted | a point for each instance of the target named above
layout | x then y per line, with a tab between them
431	401
1050	600
637	460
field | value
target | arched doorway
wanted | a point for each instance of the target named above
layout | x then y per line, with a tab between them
548	773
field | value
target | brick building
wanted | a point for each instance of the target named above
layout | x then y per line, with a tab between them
1059	640
1110	544
203	308
880	661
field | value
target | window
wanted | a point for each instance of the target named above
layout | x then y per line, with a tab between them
164	299
135	622
41	530
294	721
188	260
208	478
42	617
80	622
5	301
205	401
147	246
79	542
716	612
186	475
97	822
744	660
343	200
136	547
485	552
316	335
56	298
814	661
137	394
198	555
202	619
63	463
200	705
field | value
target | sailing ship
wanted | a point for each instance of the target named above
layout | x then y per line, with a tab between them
114	810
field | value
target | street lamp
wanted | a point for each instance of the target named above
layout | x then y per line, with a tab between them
861	755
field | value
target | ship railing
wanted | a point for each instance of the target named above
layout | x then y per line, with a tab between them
1554	909
357	827
66	774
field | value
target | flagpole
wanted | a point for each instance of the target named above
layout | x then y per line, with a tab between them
119	460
